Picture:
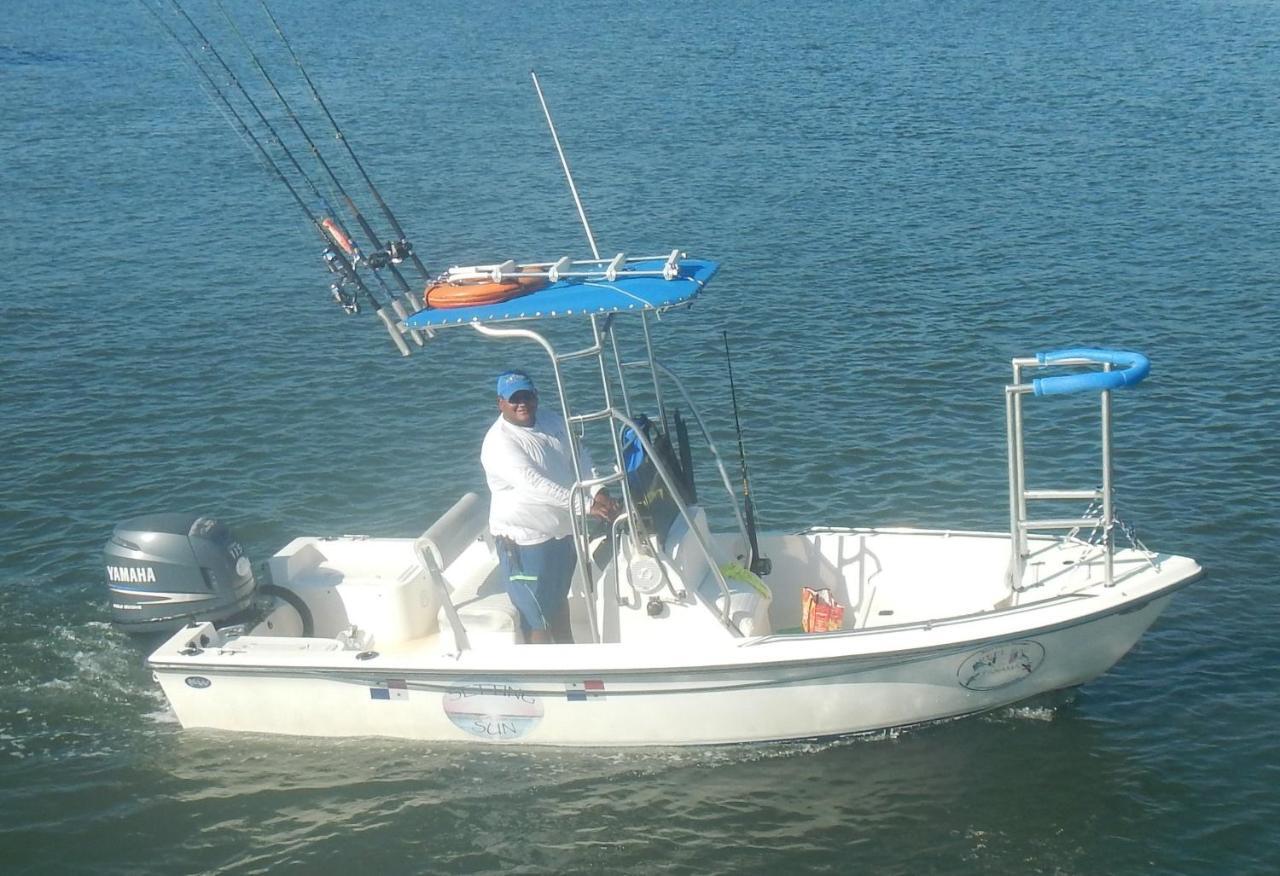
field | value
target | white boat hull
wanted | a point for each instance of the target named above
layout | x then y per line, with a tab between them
726	690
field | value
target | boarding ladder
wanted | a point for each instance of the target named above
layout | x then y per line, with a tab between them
1133	367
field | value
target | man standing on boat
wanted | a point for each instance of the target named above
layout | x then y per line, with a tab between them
527	464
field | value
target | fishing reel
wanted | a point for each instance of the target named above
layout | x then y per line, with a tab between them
395	252
343	272
399	250
344	299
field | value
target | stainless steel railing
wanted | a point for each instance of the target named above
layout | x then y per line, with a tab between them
1135	367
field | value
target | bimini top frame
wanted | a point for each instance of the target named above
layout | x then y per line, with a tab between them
638	286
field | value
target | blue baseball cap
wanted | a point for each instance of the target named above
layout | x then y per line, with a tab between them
511	382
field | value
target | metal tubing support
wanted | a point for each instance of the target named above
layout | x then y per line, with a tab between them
579	354
1108	512
1019	524
1061	523
601	481
577	515
598	332
614	591
595	329
653	370
578	510
1061	494
1011	394
1020	445
582	419
596	261
427	558
622	379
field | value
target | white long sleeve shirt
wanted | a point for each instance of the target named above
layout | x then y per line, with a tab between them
530	471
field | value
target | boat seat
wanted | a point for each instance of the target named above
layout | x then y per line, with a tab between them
473	597
372	585
487	614
748	603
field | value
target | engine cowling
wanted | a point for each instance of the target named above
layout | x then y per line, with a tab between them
167	570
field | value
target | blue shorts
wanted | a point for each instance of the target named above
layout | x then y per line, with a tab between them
538	577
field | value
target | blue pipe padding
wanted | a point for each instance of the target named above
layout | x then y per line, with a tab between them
1134	367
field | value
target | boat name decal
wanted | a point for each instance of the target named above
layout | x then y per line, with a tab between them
495	711
199	682
131	574
1001	666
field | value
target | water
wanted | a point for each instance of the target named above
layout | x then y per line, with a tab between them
904	196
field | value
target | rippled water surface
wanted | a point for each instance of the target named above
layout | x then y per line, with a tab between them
903	195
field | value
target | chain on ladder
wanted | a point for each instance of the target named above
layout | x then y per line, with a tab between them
1118	525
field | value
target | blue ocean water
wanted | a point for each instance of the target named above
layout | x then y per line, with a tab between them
904	196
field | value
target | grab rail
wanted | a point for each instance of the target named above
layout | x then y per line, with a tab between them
442	543
1134	367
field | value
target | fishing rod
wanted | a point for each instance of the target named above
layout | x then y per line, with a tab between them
382	256
333	256
402	247
329	223
339	235
759	565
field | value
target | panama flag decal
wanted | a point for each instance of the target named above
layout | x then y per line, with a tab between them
391	689
580	691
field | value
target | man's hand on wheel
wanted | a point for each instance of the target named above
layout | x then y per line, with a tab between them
604	507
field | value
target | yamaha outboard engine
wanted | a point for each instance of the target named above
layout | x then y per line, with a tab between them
166	570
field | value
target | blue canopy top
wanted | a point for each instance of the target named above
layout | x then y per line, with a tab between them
578	297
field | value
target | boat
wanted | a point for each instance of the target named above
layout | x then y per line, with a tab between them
685	632
677	641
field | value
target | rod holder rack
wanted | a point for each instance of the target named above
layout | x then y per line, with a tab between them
608	270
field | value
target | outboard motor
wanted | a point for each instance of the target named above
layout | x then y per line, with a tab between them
166	570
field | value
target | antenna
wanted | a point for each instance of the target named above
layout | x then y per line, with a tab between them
564	162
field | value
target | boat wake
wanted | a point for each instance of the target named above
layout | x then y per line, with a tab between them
74	680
